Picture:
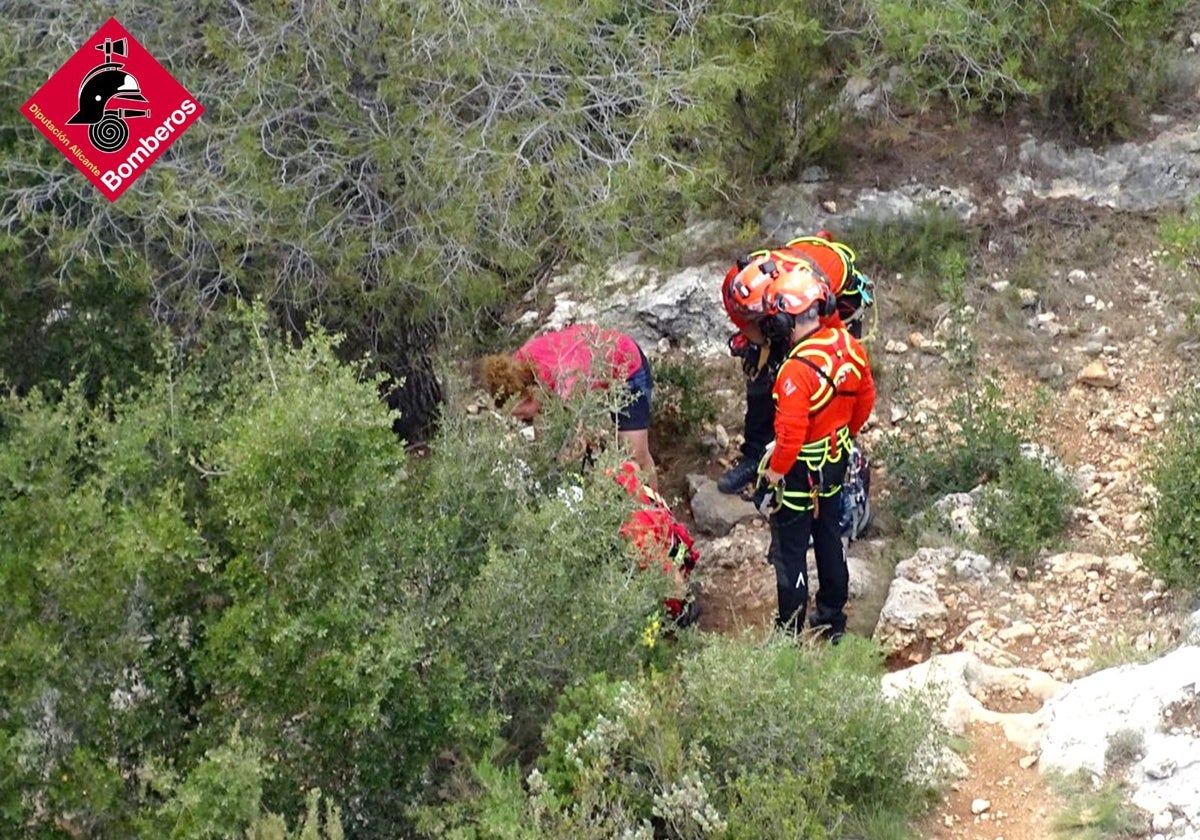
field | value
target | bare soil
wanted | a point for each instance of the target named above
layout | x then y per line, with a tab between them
1109	428
1021	805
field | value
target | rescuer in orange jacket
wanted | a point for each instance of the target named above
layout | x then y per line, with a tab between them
823	394
741	294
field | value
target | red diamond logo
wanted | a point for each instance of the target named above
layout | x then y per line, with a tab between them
112	109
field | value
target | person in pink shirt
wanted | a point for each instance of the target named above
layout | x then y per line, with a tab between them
582	355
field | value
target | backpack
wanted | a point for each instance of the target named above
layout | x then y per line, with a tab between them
836	261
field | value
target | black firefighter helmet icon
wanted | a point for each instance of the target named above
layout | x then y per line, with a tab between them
108	81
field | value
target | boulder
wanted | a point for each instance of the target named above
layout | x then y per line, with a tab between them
714	512
1134	176
957	681
1191	629
685	308
1097	375
1160	703
912	613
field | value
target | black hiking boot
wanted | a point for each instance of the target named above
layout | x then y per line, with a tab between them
828	633
738	476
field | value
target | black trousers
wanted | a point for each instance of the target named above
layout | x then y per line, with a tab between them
758	427
790	532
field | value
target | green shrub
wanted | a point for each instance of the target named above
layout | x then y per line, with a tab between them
100	586
464	151
930	246
682	403
555	600
782	804
790	115
969	443
222	797
1100	65
931	253
971	52
778	706
1125	746
743	739
317	824
1174	513
192	558
100	332
1180	233
1026	507
1096	813
218	798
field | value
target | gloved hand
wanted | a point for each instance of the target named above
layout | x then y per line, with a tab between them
740	345
767	498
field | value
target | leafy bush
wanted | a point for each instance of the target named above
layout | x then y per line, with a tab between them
1102	65
197	557
1174	515
682	403
439	159
1098	64
782	803
554	600
917	263
100	331
1180	233
970	51
101	586
218	798
780	706
922	246
791	114
1125	747
1096	813
222	797
973	441
1026	507
741	740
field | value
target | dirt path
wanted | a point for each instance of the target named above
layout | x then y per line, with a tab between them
1111	317
1003	796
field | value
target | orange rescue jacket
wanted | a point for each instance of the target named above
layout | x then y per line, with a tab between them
824	390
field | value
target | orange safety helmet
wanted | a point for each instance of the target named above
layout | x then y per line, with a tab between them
793	292
745	283
833	261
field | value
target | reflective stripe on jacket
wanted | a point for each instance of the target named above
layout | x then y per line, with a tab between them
824	390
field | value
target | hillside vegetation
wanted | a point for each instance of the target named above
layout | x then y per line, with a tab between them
237	605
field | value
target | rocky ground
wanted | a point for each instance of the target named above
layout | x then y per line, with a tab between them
1106	336
1075	308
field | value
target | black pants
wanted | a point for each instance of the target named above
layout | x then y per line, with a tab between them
758	428
790	532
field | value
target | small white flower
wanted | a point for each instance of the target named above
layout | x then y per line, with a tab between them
641	832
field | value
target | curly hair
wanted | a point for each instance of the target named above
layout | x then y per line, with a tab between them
504	377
